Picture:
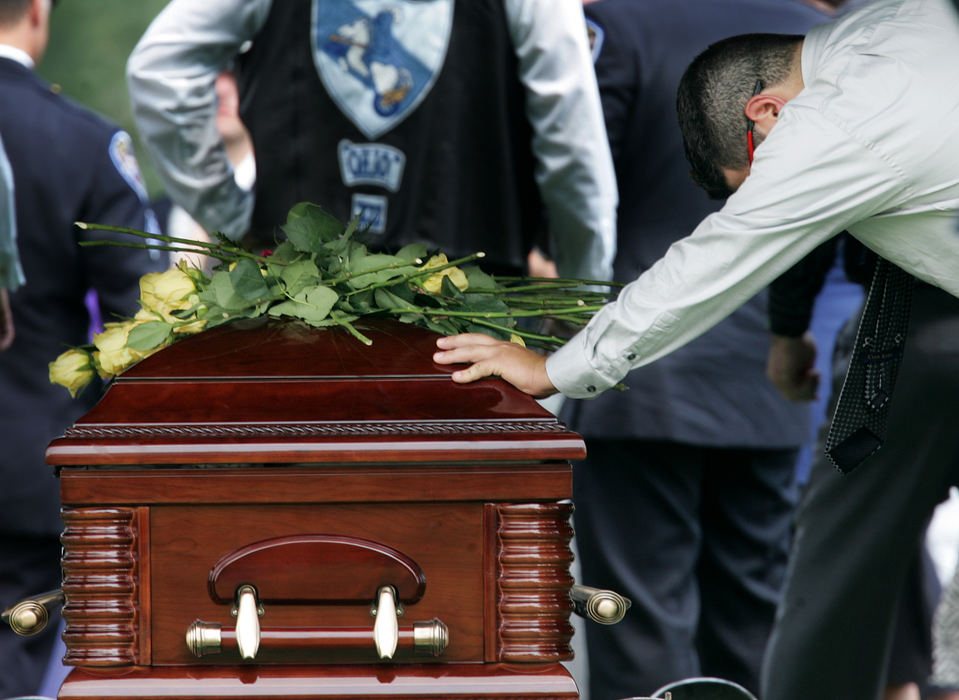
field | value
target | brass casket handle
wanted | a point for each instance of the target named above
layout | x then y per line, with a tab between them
599	605
30	616
385	636
247	612
386	629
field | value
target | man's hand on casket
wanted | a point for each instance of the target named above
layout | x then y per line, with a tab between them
521	367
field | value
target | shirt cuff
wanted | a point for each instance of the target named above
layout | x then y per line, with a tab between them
570	371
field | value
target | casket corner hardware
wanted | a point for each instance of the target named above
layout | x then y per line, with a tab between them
31	615
599	605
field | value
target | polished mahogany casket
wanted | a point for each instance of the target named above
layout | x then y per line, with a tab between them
271	510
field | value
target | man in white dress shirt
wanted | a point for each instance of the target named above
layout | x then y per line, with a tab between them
854	128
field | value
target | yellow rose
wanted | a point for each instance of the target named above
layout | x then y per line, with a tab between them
112	354
72	369
434	283
144	315
165	292
513	338
190	328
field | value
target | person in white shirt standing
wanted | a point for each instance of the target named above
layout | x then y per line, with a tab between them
853	128
461	125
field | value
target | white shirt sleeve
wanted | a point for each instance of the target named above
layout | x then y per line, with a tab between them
171	75
574	166
810	180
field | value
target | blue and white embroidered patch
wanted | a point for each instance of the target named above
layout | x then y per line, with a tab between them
595	34
371	210
379	60
125	161
371	164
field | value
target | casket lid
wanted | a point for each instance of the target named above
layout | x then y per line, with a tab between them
269	391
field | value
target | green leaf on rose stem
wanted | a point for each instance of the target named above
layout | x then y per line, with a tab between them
441	325
450	290
485	304
339	317
300	273
220	292
478	279
308	226
360	264
428	301
195	274
248	281
351	227
311	305
403	291
387	299
187	314
217	315
337	249
283	255
498	334
361	302
149	335
411	252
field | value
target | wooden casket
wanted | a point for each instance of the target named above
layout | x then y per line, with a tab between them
272	510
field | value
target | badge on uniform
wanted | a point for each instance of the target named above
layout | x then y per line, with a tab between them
125	161
595	34
378	60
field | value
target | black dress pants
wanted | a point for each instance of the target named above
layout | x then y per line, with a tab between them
697	538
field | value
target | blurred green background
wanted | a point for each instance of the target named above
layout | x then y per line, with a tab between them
90	41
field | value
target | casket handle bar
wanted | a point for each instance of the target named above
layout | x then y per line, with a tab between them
386	635
30	616
599	605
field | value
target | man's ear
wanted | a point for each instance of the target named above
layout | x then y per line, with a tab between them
763	109
36	11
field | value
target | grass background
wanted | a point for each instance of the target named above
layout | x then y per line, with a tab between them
90	41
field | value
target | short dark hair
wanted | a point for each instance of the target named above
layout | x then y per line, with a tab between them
12	11
713	93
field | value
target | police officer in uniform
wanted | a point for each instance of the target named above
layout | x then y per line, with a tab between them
68	165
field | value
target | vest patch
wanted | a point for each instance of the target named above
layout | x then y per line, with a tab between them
371	164
377	61
371	210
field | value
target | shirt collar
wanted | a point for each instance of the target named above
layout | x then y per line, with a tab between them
18	55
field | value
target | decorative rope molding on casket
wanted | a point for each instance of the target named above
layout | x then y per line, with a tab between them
307	430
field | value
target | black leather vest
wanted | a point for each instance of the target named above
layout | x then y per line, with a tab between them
467	183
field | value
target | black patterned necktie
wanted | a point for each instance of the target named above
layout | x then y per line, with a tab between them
859	423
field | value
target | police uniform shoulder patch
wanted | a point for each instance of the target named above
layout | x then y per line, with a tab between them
379	60
595	33
125	161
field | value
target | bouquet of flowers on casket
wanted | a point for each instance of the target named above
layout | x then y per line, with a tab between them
321	275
